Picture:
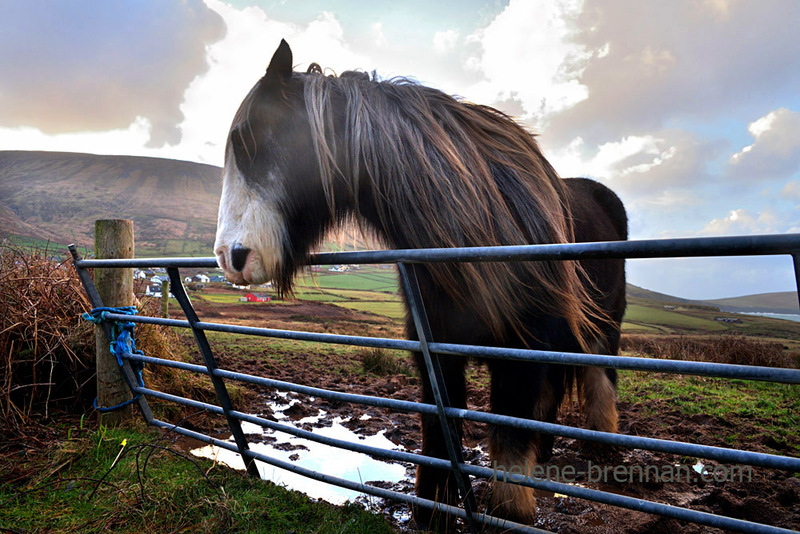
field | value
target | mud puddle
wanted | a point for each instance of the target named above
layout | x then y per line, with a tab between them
349	465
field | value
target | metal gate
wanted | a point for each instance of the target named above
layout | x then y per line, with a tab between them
406	261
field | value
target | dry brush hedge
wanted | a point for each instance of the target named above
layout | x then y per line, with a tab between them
47	349
726	348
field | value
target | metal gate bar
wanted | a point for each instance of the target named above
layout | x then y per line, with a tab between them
708	369
622	501
695	247
176	286
452	438
505	525
710	452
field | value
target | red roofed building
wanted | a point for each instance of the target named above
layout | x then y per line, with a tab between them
256	297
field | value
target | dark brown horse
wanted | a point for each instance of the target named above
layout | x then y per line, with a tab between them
307	151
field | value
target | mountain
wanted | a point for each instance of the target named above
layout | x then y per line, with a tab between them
57	196
645	294
784	302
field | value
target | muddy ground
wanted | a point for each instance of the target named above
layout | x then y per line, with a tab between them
768	496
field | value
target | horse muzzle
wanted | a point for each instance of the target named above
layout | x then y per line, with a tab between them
239	263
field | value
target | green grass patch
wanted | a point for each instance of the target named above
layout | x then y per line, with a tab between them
319	296
218	298
383	362
43	246
92	483
637	313
367	280
393	310
628	327
773	408
271	347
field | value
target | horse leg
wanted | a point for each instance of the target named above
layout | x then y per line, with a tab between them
599	399
530	391
439	485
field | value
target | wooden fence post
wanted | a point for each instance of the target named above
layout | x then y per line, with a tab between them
112	239
165	299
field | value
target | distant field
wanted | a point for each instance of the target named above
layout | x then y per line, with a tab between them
51	247
393	310
369	289
371	279
373	289
652	316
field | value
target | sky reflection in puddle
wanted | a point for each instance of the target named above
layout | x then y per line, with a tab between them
325	459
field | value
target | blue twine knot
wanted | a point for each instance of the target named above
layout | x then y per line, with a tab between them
123	342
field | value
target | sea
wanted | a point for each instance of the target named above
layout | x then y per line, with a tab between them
786	316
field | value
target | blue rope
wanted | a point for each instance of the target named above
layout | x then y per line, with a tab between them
123	342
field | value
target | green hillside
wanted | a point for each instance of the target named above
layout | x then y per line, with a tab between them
784	302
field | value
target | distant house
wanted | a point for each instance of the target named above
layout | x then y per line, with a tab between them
217	278
203	279
728	319
157	279
256	297
155	291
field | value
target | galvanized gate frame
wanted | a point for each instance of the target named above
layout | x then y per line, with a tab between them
406	260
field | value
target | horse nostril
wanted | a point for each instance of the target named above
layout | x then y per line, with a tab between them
239	256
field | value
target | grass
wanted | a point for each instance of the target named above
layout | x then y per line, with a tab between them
393	310
638	313
54	490
367	279
772	408
381	362
219	298
39	245
132	480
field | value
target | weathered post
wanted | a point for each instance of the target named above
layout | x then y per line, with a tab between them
112	239
165	299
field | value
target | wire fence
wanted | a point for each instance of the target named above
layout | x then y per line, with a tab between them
406	261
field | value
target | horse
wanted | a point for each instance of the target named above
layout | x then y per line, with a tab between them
307	151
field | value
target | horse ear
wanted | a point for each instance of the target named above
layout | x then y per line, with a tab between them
280	67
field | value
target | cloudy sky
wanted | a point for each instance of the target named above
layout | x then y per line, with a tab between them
688	109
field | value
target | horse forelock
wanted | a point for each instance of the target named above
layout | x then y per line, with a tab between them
446	173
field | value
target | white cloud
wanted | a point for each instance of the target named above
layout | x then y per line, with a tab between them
133	139
210	100
240	59
445	41
527	53
378	37
677	60
775	151
744	222
97	65
791	190
629	161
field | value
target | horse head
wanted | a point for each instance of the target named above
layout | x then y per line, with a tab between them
268	179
